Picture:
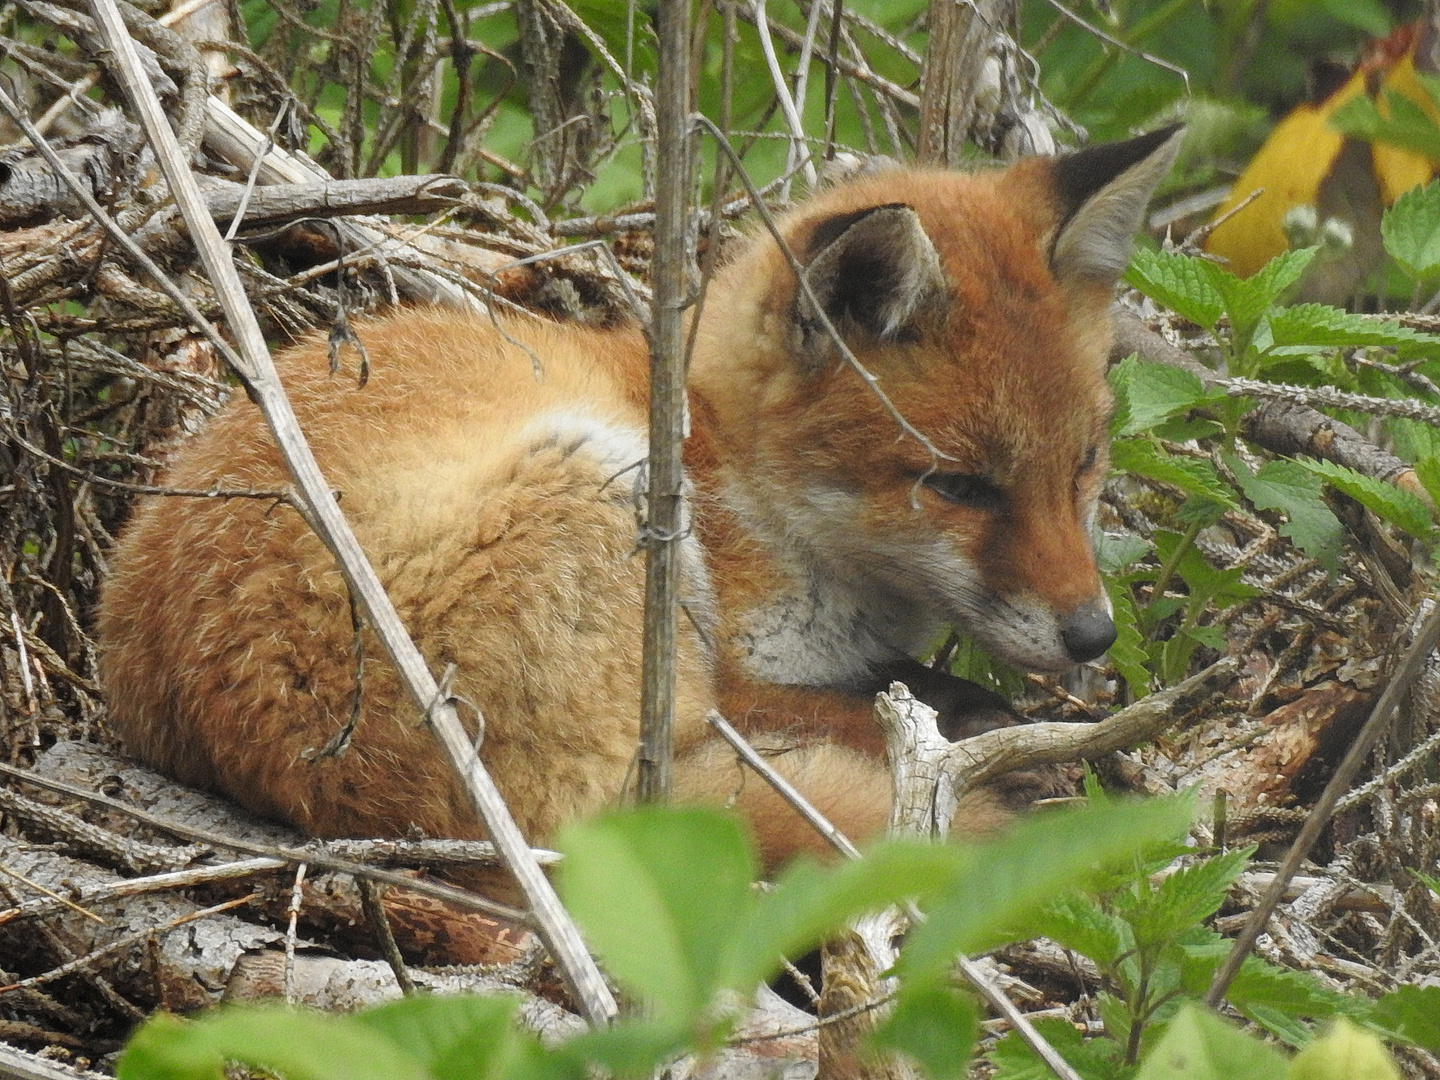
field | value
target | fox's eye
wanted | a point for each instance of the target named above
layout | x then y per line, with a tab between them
965	489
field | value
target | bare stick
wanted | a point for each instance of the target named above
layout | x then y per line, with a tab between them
798	148
1421	646
665	517
556	928
317	854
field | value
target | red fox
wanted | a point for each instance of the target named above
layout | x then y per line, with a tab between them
827	550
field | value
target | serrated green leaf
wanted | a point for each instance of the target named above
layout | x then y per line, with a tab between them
936	1026
467	1037
1345	1052
1094	1059
1198	1045
1117	551
1024	871
1078	922
1389	503
1248	299
1128	653
1180	282
1411	1014
1323	326
298	1045
1147	393
1411	230
660	893
1183	899
810	901
1427	469
1191	475
1297	493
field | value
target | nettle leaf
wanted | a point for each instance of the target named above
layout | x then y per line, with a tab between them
1199	1045
1128	653
1345	1052
467	1037
1411	230
1407	126
1118	551
1411	1014
1184	898
1427	469
1248	299
1323	326
1298	493
1388	502
810	901
298	1045
660	893
1180	282
1279	1000
1094	1059
1193	476
1149	393
1023	871
937	1026
1078	922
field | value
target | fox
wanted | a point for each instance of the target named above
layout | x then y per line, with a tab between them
483	467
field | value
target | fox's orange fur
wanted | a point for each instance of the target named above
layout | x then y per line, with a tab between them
496	508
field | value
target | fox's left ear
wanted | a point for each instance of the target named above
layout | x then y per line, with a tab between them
873	271
1102	192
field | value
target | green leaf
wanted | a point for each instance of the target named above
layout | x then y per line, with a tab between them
1180	282
936	1026
631	1047
1094	1059
1118	551
1322	326
1390	503
660	893
1427	469
1297	493
1148	393
1128	653
1019	873
467	1037
1191	475
1198	1045
1079	923
1407	126
1411	230
1345	1052
809	902
1184	898
1248	299
1411	1014
297	1045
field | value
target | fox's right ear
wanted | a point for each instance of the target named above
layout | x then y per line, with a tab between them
1103	191
872	270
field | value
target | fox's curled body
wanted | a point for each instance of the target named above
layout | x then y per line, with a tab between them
826	550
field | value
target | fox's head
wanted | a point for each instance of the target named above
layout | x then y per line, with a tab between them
955	480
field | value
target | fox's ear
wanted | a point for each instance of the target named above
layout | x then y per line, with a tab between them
1103	191
874	270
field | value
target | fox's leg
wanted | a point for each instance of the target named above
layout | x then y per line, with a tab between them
852	790
848	716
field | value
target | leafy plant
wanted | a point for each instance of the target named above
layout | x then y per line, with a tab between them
665	898
1170	428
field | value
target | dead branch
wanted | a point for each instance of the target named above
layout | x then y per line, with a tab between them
556	927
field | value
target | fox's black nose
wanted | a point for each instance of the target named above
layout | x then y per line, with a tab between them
1087	633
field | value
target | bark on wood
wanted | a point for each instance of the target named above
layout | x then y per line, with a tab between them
961	32
1320	721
